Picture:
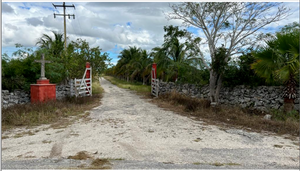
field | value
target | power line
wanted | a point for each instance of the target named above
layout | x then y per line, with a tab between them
64	15
79	25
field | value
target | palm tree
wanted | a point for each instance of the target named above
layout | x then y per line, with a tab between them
142	66
55	46
279	61
124	68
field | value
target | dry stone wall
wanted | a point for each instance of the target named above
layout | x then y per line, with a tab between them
15	97
261	98
22	97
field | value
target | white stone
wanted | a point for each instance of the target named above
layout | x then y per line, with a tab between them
268	117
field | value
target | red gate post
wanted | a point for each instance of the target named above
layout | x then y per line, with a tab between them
88	75
154	71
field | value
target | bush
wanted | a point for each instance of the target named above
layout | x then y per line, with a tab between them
280	115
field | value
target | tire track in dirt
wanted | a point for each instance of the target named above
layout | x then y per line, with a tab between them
128	127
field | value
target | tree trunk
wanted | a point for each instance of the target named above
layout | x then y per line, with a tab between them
215	82
218	89
212	83
144	80
288	105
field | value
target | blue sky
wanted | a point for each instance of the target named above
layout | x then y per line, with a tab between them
112	26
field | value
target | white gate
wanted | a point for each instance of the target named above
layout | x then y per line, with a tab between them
154	83
81	85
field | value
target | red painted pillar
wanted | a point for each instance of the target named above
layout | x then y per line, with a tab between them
154	71
42	91
88	74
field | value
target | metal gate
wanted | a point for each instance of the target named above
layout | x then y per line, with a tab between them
83	86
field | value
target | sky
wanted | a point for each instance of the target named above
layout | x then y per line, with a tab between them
112	26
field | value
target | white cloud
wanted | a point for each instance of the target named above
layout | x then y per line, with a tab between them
102	24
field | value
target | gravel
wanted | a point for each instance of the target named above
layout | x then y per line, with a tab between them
135	134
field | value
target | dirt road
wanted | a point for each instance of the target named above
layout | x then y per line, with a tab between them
135	134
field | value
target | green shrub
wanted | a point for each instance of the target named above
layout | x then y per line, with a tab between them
280	115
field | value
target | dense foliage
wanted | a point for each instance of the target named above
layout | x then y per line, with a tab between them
20	72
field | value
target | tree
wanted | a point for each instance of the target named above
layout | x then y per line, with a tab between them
123	66
230	23
78	53
279	61
142	66
175	56
54	46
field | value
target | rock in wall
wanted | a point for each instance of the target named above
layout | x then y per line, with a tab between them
22	97
262	98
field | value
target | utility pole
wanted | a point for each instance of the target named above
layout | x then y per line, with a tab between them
64	6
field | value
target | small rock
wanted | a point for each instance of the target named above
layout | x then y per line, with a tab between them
150	130
267	117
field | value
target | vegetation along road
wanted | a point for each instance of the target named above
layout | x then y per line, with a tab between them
128	132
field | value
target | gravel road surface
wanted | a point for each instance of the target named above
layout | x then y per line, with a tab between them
135	134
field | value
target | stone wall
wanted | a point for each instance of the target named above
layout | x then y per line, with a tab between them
262	98
65	90
15	97
22	97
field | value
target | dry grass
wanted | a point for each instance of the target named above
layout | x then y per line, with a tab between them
82	155
96	164
225	115
18	135
46	113
100	164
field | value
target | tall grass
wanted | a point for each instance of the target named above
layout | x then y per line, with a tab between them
139	87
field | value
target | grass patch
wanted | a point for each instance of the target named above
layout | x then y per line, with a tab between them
278	146
82	155
96	87
100	164
18	135
139	87
48	112
4	137
46	142
225	115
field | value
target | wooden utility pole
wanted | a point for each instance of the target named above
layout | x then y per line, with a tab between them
65	30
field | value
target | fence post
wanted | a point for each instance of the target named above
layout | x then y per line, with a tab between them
88	75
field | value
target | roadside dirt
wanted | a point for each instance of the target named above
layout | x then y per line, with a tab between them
127	127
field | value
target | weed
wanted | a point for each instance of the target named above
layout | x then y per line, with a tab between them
96	88
198	139
18	135
217	164
100	164
190	104
233	116
46	113
4	137
280	115
278	146
82	155
197	163
46	142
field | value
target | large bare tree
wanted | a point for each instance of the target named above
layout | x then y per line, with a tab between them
232	24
